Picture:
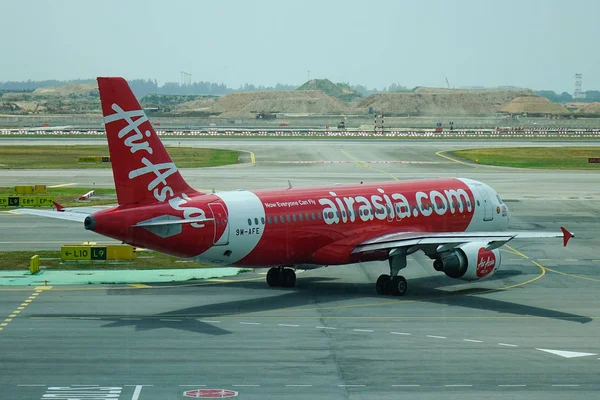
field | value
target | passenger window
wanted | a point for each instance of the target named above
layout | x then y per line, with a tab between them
294	217
262	220
288	218
275	220
314	217
256	221
344	213
301	217
477	203
319	215
249	222
307	216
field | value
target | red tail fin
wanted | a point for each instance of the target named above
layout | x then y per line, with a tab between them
142	168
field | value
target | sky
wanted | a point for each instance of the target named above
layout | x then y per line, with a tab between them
538	44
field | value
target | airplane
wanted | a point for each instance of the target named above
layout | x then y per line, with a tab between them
458	223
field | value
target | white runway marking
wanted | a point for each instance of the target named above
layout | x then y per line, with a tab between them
324	327
512	385
437	337
210	322
458	385
170	320
250	323
400	333
507	345
567	354
406	385
352	385
473	341
298	385
362	330
245	385
137	392
289	325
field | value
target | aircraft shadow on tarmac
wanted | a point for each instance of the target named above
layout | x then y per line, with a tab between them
316	293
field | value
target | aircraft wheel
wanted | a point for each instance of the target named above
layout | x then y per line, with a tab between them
289	278
274	277
382	284
398	286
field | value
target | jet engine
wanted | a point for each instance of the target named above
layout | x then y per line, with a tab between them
469	261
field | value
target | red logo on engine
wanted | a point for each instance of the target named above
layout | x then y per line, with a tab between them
486	260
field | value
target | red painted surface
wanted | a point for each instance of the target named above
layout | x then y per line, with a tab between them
486	261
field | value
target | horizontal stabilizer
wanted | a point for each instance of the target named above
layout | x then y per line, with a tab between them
172	222
66	215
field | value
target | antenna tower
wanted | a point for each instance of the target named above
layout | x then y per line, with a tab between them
578	92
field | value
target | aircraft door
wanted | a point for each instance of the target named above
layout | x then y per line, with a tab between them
488	211
221	223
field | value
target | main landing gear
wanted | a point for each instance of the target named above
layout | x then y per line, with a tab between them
281	276
393	284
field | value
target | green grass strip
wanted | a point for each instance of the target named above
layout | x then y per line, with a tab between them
570	158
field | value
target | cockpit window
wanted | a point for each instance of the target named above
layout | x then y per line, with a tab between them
499	199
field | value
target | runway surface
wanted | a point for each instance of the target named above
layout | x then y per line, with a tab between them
530	332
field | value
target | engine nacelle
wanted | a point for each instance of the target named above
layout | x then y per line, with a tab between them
469	261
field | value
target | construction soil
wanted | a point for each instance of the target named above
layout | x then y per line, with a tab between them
432	101
69	89
533	105
590	108
246	105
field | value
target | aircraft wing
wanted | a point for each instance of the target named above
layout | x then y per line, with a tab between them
66	214
416	239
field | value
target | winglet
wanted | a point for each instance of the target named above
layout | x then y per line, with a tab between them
566	235
58	206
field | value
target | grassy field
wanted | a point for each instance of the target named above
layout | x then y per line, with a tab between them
65	157
66	196
534	157
19	260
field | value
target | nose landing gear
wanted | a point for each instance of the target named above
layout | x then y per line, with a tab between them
281	276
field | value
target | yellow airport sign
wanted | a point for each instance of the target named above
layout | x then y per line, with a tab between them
26	201
24	189
29	201
75	252
94	159
120	252
39	189
93	252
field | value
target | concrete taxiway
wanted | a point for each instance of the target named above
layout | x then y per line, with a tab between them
529	332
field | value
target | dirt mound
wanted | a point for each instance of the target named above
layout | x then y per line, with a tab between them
533	105
436	101
247	104
201	104
590	108
341	91
435	90
69	89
